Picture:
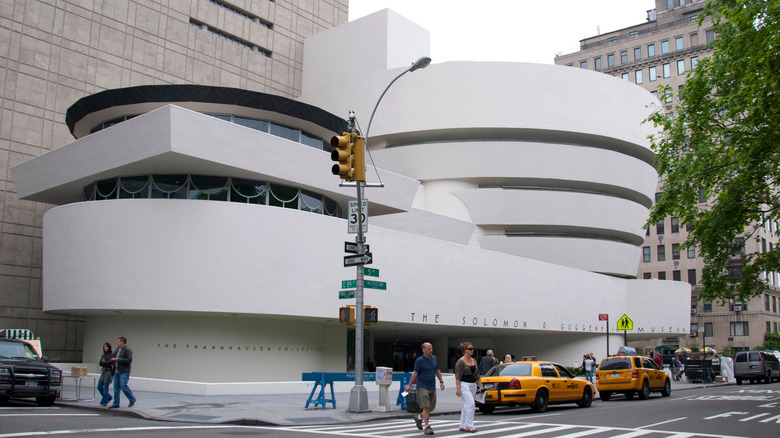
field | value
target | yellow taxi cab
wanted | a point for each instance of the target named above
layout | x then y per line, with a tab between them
631	375
534	383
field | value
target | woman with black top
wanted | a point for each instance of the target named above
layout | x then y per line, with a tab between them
106	374
466	382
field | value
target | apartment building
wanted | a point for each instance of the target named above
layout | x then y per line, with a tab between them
53	53
659	53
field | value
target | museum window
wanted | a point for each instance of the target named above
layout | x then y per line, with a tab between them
665	47
611	60
692	277
662	275
637	53
624	57
275	129
646	254
739	329
652	74
678	43
661	253
676	275
675	251
650	50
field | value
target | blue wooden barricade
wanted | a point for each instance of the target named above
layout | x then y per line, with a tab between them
321	379
401	400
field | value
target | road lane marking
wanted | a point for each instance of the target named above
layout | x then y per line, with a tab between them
49	415
755	416
117	429
663	422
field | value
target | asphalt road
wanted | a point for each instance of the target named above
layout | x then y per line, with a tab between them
736	411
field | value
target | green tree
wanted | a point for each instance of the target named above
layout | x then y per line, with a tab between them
727	351
771	341
722	141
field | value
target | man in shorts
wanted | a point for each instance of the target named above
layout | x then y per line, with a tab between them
426	370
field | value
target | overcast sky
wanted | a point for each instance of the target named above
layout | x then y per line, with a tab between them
509	30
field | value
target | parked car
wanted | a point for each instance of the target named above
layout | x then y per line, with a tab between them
756	366
631	375
24	374
533	383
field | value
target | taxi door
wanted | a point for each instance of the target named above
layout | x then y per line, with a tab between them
553	381
572	388
655	376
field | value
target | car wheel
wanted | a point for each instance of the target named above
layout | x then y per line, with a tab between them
45	401
630	394
4	400
540	402
605	395
644	393
739	381
667	391
587	398
487	409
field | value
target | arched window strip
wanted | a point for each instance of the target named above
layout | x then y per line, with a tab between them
106	189
311	202
283	196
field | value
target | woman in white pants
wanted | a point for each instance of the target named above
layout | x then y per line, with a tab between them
466	383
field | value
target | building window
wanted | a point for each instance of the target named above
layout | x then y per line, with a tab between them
637	53
667	70
597	63
676	276
624	76
654	93
694	39
739	329
768	327
659	227
633	34
624	57
652	74
675	251
691	252
692	277
774	304
611	60
612	39
662	275
650	50
584	64
665	47
708	330
678	43
646	254
702	195
710	36
694	61
647	276
661	253
638	76
680	66
694	329
707	306
669	5
766	302
675	224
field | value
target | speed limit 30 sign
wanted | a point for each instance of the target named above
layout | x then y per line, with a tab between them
352	219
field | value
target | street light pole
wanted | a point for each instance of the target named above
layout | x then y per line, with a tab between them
358	396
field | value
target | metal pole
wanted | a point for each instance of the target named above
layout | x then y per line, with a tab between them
608	337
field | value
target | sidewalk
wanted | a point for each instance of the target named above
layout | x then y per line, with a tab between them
283	410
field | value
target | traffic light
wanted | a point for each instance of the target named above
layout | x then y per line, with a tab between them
349	152
370	315
347	315
344	154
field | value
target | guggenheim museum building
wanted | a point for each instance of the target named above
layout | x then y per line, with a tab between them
507	207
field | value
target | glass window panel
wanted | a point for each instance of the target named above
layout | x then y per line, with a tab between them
678	43
134	187
259	125
665	46
331	207
224	117
285	132
584	64
661	253
653	75
169	186
89	192
611	60
624	57
106	189
311	202
597	63
208	187
667	70
650	50
637	54
283	196
638	76
310	140
680	66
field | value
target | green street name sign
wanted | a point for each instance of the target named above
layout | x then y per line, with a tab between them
344	294
348	284
381	285
371	272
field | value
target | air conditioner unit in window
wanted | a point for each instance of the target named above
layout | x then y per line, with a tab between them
731	339
737	307
693	310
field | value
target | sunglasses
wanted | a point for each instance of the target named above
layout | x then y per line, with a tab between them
470	348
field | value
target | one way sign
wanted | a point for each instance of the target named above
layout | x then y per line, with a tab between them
354	260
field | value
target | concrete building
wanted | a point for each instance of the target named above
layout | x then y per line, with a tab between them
53	53
660	52
512	214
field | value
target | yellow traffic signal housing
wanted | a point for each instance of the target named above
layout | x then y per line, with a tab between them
347	315
359	160
344	154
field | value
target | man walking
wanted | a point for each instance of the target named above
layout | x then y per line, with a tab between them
123	359
487	363
426	370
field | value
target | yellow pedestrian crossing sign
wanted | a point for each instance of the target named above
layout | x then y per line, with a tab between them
625	323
